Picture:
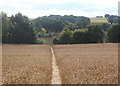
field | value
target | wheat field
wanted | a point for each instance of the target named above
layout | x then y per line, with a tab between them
26	64
88	63
78	64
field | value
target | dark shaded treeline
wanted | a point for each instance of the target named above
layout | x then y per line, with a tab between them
56	23
77	29
91	34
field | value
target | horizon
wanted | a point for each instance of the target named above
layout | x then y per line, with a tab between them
58	15
35	9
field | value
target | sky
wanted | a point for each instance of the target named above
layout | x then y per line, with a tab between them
36	8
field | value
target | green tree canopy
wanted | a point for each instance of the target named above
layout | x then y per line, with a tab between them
6	28
79	36
114	33
23	30
95	33
65	37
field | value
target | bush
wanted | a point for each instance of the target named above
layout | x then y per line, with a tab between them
65	37
91	34
114	33
95	34
79	36
55	40
40	41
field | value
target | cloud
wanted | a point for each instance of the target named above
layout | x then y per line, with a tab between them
35	8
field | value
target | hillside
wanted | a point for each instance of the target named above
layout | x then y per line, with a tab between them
98	20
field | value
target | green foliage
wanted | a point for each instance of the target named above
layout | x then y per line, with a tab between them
65	37
105	26
72	29
43	30
42	33
79	36
23	30
95	34
55	23
55	40
7	27
114	33
65	29
107	15
50	25
82	24
91	34
112	18
17	29
40	41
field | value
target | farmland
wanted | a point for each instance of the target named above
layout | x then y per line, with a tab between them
78	64
98	20
26	64
87	63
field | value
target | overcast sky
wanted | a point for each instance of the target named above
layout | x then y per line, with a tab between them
36	8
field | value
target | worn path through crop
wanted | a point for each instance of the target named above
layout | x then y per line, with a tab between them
55	71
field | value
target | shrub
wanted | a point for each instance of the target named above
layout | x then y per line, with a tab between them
65	37
114	33
95	34
79	36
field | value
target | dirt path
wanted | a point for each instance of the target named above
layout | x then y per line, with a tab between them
55	71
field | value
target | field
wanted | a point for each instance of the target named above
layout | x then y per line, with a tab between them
77	64
87	63
26	64
98	20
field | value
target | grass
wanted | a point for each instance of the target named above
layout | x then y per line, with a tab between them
88	63
26	64
98	20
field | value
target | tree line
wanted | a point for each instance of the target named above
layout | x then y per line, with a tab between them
91	34
56	23
20	29
112	18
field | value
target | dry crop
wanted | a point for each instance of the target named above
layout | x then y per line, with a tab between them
88	63
26	64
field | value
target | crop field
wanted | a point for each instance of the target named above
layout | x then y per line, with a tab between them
88	63
26	64
98	20
77	64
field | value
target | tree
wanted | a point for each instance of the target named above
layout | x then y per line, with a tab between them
65	37
114	33
42	32
55	23
55	40
65	29
23	30
107	15
81	24
79	36
95	34
0	28
6	28
105	26
112	18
